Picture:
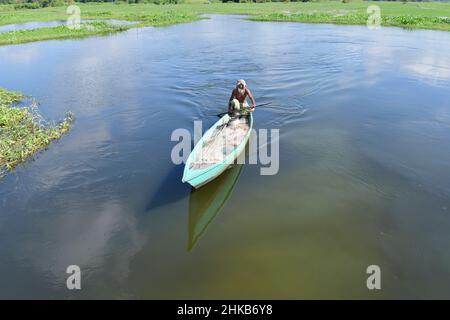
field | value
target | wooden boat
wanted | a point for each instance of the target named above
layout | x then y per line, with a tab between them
217	149
205	203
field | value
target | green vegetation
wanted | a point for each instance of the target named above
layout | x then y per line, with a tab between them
88	12
36	4
22	132
426	15
61	32
409	22
147	14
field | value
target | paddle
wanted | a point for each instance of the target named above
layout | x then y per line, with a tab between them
224	113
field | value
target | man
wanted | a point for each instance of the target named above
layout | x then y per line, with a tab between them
238	97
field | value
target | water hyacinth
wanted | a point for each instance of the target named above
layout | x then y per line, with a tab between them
61	32
23	131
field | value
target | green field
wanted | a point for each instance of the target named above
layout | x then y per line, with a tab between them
425	15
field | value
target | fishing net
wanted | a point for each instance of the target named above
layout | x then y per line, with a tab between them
224	140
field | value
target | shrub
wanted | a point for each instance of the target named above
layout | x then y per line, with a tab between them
27	5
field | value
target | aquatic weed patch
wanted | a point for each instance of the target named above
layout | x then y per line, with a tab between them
315	17
87	29
404	21
61	32
164	18
23	131
418	22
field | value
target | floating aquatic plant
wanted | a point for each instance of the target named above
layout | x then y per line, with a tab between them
23	130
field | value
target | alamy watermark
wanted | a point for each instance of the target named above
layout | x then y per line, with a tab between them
374	280
74	20
374	19
73	282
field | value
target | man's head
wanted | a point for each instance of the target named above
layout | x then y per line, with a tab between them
240	85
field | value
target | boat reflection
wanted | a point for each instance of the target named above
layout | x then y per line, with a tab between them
206	202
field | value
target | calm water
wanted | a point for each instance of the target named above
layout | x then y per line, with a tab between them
364	178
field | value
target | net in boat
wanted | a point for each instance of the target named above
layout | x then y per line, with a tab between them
223	141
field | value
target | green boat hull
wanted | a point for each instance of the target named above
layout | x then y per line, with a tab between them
206	203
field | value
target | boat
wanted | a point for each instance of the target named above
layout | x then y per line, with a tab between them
205	203
218	149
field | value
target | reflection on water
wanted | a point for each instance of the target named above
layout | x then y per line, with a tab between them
206	202
364	165
31	25
168	192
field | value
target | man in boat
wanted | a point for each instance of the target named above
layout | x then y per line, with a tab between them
238	102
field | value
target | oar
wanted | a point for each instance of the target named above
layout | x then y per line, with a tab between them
224	113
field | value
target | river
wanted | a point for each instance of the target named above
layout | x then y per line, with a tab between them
364	173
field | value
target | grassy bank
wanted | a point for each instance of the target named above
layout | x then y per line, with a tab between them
426	15
21	132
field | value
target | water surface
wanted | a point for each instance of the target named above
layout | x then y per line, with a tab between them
364	177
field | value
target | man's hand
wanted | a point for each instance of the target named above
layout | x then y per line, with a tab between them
230	108
252	108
